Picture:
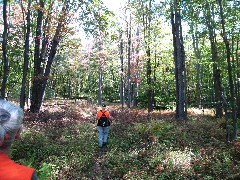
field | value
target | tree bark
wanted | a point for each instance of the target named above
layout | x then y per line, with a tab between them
198	67
37	79
216	70
26	58
149	65
55	42
121	61
179	59
232	94
154	75
41	75
129	62
136	83
100	74
238	76
149	81
4	50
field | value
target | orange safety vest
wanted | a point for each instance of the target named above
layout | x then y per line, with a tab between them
101	112
9	170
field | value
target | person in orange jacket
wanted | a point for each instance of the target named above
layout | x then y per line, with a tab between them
104	119
11	117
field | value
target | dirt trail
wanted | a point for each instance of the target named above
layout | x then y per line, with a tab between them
99	168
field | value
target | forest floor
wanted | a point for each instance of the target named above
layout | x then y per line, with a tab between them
60	142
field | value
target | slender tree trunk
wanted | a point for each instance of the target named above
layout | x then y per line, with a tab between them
185	101
179	59
154	75
216	70
149	81
100	75
129	62
198	67
121	83
235	72
4	50
175	60
148	52
135	95
238	76
226	41
26	59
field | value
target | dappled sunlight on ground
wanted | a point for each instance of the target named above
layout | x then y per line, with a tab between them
155	140
198	111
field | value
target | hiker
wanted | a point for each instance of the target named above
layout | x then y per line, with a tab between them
11	117
104	119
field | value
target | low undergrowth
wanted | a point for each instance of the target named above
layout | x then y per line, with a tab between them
62	144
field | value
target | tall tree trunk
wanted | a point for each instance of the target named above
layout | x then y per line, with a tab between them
147	35
136	83
41	75
55	42
154	75
175	60
226	42
179	59
4	49
216	70
37	79
121	61
100	73
26	58
238	76
198	67
129	62
149	81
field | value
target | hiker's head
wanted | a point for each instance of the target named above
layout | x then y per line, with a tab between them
103	106
11	117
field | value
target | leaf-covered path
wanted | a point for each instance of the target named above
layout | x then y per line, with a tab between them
100	171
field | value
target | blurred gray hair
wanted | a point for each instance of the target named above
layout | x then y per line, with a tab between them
11	117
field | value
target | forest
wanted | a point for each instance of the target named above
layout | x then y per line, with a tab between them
167	69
